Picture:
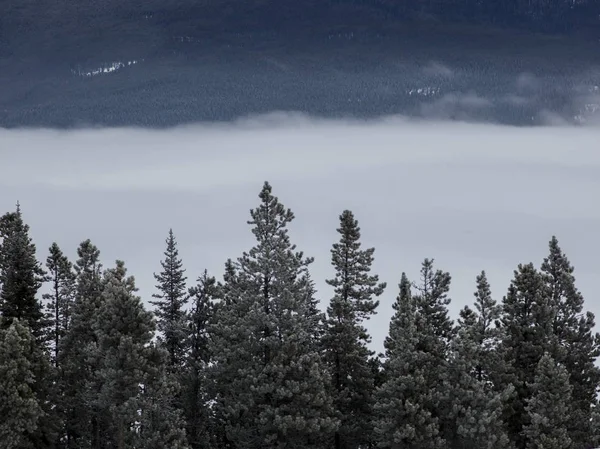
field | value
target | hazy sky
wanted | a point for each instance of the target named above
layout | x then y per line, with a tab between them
471	196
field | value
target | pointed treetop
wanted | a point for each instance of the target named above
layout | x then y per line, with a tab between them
352	282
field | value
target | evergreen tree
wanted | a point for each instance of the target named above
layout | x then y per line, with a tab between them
60	300
578	344
482	327
527	334
195	385
161	425
19	406
21	275
78	356
549	407
125	332
346	339
476	409
405	408
477	406
170	304
270	383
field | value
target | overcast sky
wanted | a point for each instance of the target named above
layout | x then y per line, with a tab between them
471	196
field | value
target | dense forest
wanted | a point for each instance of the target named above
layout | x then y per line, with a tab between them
253	361
29	27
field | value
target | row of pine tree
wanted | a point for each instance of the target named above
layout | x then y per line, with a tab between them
251	362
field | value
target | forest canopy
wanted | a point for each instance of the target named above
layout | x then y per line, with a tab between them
255	358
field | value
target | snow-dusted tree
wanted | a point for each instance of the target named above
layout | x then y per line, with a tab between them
477	406
161	423
125	331
19	406
60	300
195	391
21	275
549	407
345	340
481	327
78	354
170	304
578	344
418	384
270	383
527	334
405	415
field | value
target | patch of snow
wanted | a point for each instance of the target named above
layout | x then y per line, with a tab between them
424	91
187	39
104	69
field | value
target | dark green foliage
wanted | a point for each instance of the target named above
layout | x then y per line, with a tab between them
345	339
578	346
476	413
549	408
125	353
270	383
78	355
21	275
60	301
527	334
162	425
195	389
20	409
255	364
170	303
406	405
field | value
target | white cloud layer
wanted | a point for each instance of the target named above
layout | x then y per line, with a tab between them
472	196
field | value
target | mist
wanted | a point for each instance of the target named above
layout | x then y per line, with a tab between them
471	196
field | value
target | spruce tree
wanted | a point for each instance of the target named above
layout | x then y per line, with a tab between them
476	410
345	340
549	407
78	356
125	332
161	424
59	302
527	334
170	303
196	396
20	409
405	410
578	344
270	383
21	275
477	404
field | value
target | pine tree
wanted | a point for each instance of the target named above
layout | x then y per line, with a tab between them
125	332
161	424
484	329
270	384
405	408
195	385
346	338
477	405
476	409
19	406
21	275
78	355
60	300
170	304
527	334
578	344
549	407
